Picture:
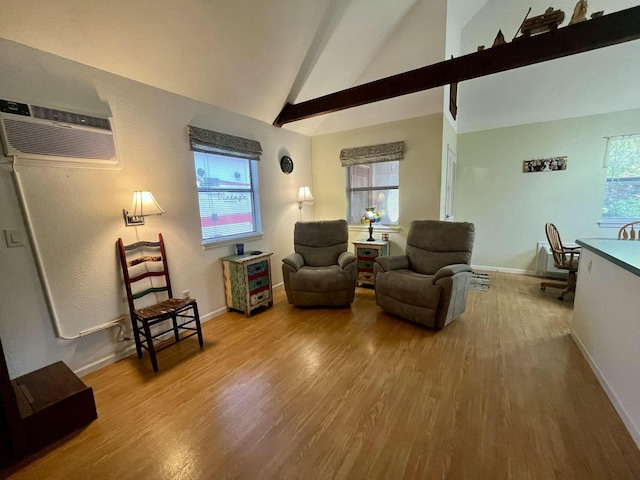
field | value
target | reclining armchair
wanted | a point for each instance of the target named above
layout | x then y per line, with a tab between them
429	284
321	271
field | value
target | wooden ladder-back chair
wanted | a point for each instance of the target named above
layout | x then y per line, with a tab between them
564	258
143	262
630	231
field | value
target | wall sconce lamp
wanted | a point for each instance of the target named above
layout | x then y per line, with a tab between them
304	196
142	205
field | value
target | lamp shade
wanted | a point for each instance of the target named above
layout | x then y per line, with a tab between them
304	195
370	216
143	204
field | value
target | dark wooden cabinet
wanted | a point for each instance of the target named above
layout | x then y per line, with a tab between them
40	407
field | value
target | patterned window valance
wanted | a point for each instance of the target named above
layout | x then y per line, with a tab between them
207	141
375	153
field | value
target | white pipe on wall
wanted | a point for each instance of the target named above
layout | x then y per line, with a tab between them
46	289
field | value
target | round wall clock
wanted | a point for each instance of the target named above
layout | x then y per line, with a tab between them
286	165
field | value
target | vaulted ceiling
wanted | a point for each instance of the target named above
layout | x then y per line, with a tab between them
252	56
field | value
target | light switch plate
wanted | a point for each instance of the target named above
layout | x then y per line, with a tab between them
13	237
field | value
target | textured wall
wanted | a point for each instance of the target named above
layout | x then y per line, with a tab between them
419	171
77	214
510	208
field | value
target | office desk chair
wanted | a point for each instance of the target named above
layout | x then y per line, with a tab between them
564	258
629	232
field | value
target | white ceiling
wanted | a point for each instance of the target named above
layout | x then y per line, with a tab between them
252	56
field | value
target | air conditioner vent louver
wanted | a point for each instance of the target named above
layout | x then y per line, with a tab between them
68	117
55	140
43	136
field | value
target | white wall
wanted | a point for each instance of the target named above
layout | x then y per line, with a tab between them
510	208
236	55
419	171
77	214
590	83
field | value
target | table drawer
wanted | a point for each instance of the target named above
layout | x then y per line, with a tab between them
258	282
259	297
365	277
257	267
368	252
366	265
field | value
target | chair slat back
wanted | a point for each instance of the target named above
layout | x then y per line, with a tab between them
629	232
136	255
557	249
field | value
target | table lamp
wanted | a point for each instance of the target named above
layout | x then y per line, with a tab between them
370	216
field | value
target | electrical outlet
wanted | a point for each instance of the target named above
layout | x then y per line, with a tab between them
186	294
13	237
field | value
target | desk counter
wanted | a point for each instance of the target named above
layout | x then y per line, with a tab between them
606	321
624	253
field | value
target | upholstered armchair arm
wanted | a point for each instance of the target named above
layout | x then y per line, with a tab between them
394	262
295	261
345	259
450	271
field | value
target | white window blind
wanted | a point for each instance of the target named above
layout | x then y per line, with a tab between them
227	181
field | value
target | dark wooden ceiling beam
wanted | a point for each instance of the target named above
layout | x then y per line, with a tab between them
612	29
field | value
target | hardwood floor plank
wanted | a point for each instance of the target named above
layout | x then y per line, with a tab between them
355	393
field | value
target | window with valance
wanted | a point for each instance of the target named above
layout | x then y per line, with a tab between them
373	180
227	180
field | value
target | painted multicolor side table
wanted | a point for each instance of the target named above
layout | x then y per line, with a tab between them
247	282
367	253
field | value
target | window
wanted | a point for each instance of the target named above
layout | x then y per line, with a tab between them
621	202
372	180
227	180
374	185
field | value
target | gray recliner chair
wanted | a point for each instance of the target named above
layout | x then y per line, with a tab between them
429	284
321	271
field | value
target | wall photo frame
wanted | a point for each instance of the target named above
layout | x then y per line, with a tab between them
553	164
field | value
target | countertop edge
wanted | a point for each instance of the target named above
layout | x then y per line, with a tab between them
631	268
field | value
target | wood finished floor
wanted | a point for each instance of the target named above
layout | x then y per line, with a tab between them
502	393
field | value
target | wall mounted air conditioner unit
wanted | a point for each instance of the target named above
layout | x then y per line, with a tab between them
46	136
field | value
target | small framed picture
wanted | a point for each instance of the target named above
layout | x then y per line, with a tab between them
555	164
385	237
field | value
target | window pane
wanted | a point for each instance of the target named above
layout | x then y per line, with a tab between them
622	190
220	172
385	201
225	195
384	174
622	198
225	213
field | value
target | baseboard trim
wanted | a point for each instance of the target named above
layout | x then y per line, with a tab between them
517	271
131	349
214	314
108	360
622	412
